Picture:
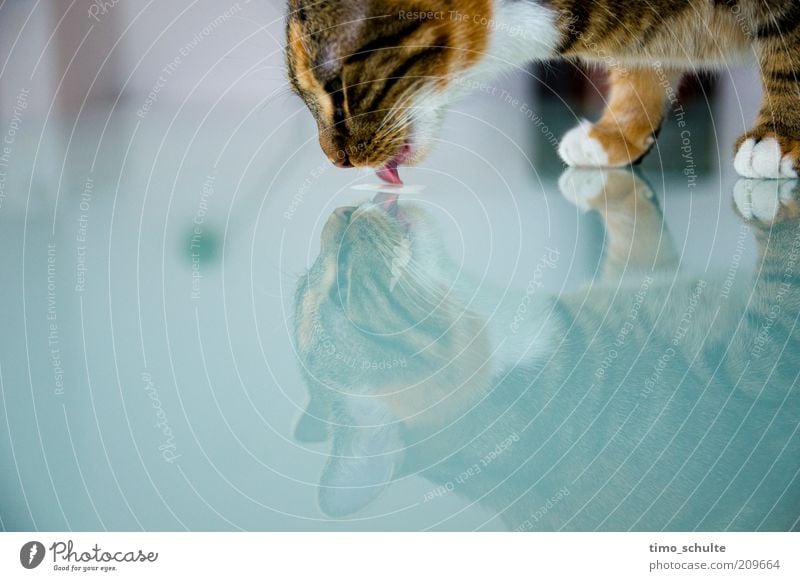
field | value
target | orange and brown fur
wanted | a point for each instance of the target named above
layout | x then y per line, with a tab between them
356	63
377	74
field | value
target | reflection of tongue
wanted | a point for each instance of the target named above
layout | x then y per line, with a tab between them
389	173
387	201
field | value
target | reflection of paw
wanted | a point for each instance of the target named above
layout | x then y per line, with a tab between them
579	148
597	188
768	157
581	186
767	201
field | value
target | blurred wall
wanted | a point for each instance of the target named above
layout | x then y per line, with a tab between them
70	54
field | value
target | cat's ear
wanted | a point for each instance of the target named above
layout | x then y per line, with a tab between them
312	426
366	455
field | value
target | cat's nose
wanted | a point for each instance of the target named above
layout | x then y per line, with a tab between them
343	161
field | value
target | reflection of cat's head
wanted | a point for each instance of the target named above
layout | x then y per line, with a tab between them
368	253
374	286
384	345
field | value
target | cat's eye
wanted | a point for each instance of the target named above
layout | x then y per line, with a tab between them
338	115
334	88
334	85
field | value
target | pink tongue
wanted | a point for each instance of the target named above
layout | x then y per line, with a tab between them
389	174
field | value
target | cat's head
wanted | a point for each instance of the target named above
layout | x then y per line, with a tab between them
376	74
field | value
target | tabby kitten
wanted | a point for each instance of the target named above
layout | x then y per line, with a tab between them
649	400
377	74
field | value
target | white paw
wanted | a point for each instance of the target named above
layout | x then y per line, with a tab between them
580	186
762	199
763	160
578	149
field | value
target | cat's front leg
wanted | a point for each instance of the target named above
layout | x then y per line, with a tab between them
772	148
627	130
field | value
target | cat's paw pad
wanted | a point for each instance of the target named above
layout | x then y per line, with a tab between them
766	201
769	157
579	148
581	186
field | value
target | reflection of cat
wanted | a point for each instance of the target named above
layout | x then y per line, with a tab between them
651	400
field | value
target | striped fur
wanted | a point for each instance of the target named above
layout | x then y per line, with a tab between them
377	74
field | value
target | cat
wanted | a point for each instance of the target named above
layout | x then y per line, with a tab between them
378	74
649	400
